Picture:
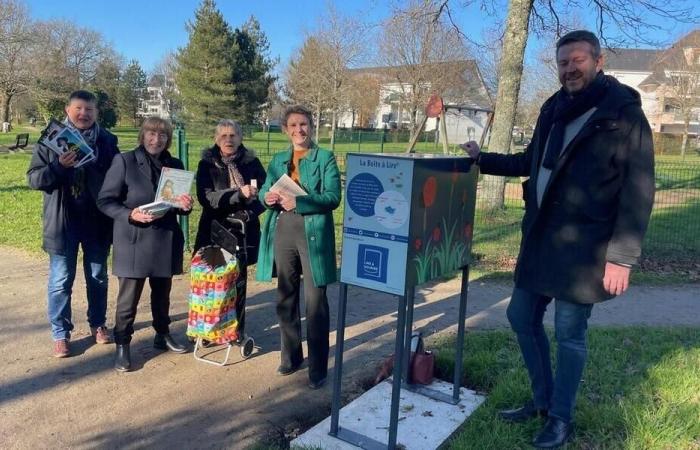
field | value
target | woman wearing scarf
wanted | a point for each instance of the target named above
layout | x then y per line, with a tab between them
145	246
227	179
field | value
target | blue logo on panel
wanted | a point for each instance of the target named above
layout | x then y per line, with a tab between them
372	262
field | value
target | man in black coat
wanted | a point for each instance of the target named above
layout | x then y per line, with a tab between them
71	219
587	205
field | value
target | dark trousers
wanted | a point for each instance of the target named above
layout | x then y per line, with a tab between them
130	290
292	260
554	392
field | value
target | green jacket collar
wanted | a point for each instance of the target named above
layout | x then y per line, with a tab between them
312	155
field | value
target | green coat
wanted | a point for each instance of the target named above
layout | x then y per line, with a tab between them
320	177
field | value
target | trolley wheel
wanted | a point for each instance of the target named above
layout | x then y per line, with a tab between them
247	347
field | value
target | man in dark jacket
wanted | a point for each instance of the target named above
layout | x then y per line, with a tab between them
588	201
71	219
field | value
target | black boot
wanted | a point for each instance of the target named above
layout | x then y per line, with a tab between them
122	360
555	433
166	342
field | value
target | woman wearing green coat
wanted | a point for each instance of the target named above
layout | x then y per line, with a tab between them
298	237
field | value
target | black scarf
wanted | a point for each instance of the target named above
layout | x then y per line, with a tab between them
155	162
566	108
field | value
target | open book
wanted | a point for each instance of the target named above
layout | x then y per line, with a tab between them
171	184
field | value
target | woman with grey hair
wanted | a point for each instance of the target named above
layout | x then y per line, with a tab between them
228	177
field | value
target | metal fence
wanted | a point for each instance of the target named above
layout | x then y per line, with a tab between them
672	243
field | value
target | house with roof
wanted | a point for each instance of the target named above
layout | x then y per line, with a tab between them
668	81
466	98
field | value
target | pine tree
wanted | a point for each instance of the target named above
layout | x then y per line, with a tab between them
251	75
106	113
204	75
132	85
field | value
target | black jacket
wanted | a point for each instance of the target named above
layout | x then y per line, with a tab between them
46	174
219	200
596	206
140	250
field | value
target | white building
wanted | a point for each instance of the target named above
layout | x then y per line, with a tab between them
653	73
154	101
467	102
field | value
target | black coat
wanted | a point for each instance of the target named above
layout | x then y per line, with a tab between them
596	206
140	250
45	173
219	200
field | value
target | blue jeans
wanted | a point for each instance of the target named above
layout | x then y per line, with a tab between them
556	393
62	270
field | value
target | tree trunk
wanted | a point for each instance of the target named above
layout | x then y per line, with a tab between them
318	122
334	119
5	108
509	77
684	142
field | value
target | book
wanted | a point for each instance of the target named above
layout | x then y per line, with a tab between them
158	209
171	184
61	138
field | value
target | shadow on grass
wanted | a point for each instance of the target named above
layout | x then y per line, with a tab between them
639	390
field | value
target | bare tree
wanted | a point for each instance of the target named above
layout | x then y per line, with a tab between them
633	19
64	57
305	83
362	97
15	74
415	46
343	40
167	67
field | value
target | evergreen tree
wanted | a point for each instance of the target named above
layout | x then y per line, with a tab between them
132	86
106	113
106	83
252	76
204	74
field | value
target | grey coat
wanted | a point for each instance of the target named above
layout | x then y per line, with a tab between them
140	250
596	206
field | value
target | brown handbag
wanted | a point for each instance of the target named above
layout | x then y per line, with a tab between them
422	367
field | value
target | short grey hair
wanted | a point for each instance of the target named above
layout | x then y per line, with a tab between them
228	123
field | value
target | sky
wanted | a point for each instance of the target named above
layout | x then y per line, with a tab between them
146	30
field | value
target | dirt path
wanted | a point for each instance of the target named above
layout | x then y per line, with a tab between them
173	400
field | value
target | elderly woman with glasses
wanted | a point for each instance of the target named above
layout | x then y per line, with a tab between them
145	245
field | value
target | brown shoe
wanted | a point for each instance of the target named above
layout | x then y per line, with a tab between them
101	335
61	348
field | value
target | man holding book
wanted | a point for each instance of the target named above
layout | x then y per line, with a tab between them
71	220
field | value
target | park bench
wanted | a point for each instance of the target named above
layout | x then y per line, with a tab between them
21	141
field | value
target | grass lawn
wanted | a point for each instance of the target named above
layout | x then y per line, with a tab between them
671	248
640	390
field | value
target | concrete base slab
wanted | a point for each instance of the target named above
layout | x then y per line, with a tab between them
424	423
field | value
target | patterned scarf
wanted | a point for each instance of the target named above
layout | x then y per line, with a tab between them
235	178
90	135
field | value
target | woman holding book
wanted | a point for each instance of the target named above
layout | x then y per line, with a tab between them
298	237
146	245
